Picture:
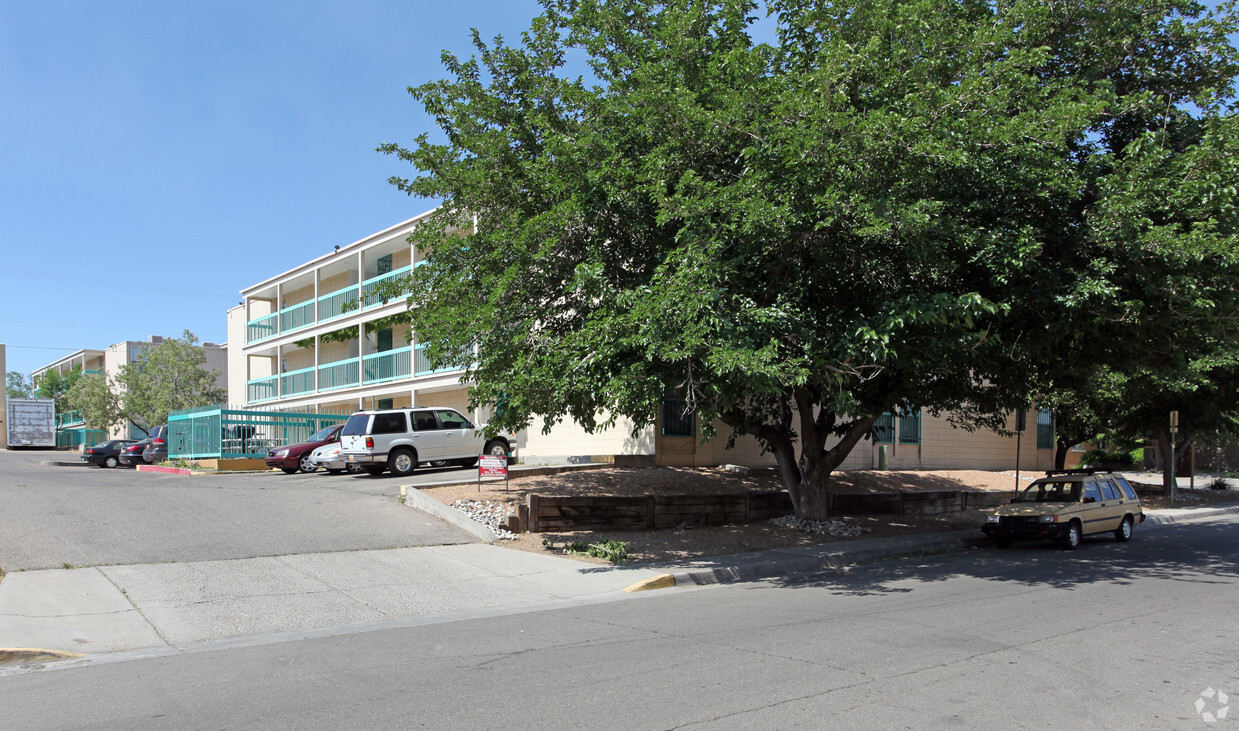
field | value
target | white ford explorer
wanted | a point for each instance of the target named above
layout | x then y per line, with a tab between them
401	439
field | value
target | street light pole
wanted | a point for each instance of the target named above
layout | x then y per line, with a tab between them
1174	429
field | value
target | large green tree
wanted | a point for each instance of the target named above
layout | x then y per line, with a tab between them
893	204
18	385
164	378
56	386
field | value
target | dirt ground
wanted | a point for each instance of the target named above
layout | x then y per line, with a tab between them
688	543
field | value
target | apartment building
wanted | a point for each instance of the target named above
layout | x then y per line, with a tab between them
70	427
319	338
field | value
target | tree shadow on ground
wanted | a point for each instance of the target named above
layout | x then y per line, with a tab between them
1198	553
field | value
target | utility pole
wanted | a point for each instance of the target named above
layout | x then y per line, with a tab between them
1021	422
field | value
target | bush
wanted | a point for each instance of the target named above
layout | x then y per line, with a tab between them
1098	457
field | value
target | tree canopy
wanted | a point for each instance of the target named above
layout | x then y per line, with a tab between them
892	204
164	378
18	385
56	386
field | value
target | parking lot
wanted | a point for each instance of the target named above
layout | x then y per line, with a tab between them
54	516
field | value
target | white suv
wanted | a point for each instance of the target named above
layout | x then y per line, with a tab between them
401	439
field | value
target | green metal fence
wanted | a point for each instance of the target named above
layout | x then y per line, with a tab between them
76	437
218	432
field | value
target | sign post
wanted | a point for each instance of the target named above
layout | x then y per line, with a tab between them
493	465
1174	429
1021	423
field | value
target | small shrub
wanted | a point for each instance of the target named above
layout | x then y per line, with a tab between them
617	552
1096	457
1218	483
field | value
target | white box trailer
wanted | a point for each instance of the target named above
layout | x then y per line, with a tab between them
32	422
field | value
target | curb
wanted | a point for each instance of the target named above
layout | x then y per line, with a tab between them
21	655
415	499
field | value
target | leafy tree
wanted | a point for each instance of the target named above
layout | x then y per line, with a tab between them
897	203
53	385
166	377
97	400
19	385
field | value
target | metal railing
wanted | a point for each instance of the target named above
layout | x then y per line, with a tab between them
216	432
263	327
388	365
340	374
262	389
370	286
297	382
296	317
333	305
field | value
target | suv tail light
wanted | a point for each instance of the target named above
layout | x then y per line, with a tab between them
369	442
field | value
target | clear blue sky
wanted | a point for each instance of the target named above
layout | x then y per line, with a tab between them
156	157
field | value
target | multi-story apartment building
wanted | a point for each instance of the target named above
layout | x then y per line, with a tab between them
70	427
318	338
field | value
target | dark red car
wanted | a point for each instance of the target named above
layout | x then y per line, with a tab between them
296	457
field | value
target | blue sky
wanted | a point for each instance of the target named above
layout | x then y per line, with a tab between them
156	157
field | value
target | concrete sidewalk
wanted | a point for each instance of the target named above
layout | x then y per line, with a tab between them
177	607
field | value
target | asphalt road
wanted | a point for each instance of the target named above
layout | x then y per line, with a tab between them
87	516
1109	636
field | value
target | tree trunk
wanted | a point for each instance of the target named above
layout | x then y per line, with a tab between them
1167	459
812	499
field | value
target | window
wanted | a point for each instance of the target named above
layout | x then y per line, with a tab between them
389	424
1045	429
1107	490
449	419
1091	492
884	429
383	338
677	422
424	421
1126	488
384	403
910	427
383	264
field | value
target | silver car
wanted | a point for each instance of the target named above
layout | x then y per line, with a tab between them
329	458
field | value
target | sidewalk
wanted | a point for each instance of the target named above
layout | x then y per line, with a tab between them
120	611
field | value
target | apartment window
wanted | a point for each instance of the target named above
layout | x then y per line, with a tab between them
384	265
677	423
1045	429
910	427
383	337
884	429
385	403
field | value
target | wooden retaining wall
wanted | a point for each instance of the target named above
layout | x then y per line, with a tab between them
543	513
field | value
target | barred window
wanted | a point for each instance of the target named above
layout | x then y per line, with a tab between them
1045	429
677	423
884	429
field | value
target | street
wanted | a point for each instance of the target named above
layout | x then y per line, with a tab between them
85	516
1109	636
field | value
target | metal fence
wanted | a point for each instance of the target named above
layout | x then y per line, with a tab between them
77	437
220	432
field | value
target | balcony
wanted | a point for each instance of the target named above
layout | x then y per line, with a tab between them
296	317
422	365
340	374
263	327
295	383
334	305
369	287
262	389
388	365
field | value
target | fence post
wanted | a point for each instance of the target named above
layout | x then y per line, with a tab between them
532	501
651	512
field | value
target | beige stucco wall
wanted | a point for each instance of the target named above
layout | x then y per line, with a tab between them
235	358
568	440
336	282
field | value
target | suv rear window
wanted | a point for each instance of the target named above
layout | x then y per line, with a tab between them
390	423
356	425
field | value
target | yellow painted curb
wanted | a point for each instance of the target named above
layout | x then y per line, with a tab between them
665	581
14	655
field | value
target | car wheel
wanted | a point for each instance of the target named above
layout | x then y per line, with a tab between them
439	463
110	462
467	463
402	462
354	469
289	470
305	465
496	448
1003	541
1123	532
1071	539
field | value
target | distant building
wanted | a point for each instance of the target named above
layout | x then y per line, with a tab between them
71	430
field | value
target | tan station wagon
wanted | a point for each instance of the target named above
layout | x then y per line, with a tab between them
1066	506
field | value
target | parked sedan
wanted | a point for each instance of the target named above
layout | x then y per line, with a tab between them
131	455
157	450
329	458
106	454
296	457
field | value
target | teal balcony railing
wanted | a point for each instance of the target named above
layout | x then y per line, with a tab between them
340	374
262	389
387	365
422	366
332	305
297	316
263	327
369	287
69	418
297	382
